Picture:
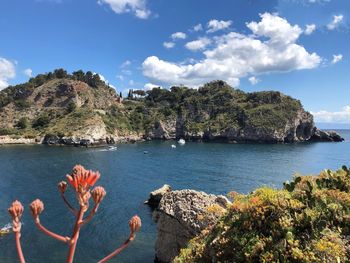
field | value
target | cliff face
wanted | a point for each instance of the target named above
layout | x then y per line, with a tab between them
81	107
279	120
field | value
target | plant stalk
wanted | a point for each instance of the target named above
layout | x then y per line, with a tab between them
19	247
75	236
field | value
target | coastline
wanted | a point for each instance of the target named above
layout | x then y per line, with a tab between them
113	140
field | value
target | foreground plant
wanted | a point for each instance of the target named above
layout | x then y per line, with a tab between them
81	180
306	221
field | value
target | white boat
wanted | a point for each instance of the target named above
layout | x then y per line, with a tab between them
181	142
6	229
112	148
173	146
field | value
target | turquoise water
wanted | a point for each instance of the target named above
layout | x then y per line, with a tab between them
30	172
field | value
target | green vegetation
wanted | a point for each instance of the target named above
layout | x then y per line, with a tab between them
216	107
307	221
41	121
23	123
51	101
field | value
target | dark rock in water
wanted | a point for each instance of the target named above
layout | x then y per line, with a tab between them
326	136
156	195
180	216
74	141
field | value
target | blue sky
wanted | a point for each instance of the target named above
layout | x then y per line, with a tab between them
299	47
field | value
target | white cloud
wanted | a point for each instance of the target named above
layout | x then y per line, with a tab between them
136	7
50	1
28	72
276	28
310	29
126	72
7	72
335	22
237	55
120	77
198	44
178	35
254	80
216	25
333	117
337	58
101	77
318	1
169	45
150	86
125	64
198	27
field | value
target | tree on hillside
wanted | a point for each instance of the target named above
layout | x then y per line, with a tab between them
22	123
79	75
60	73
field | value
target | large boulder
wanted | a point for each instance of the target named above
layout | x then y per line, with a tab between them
180	216
156	195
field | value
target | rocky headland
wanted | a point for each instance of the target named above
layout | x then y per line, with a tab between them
59	108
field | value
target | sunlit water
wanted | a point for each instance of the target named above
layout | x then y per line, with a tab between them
30	172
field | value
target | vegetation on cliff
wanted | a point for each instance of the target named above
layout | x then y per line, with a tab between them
65	104
307	221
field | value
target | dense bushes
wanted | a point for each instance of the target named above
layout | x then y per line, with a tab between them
307	221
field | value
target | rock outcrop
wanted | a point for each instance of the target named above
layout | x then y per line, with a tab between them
156	195
180	216
326	136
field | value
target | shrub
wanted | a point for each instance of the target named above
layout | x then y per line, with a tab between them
41	121
23	123
306	221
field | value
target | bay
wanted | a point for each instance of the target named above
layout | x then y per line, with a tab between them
128	175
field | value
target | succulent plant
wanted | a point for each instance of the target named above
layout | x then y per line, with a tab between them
81	180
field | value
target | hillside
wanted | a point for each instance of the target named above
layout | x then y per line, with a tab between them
80	106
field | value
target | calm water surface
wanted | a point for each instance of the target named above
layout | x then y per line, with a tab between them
29	172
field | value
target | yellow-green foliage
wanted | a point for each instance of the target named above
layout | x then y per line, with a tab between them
307	221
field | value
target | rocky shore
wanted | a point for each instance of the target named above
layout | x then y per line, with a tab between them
181	215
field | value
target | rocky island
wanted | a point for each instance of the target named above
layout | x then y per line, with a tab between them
81	109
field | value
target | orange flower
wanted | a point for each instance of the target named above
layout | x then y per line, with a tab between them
16	210
135	225
255	199
82	178
98	193
36	207
62	187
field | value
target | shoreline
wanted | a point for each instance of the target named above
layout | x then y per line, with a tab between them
6	140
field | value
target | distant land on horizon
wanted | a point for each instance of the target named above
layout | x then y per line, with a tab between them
335	126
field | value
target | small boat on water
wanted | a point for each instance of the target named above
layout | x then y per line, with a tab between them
112	148
173	146
145	152
181	141
5	230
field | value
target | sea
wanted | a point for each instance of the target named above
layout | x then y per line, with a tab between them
129	173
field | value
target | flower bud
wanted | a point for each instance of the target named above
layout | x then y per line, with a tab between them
62	187
36	207
16	210
98	193
135	225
